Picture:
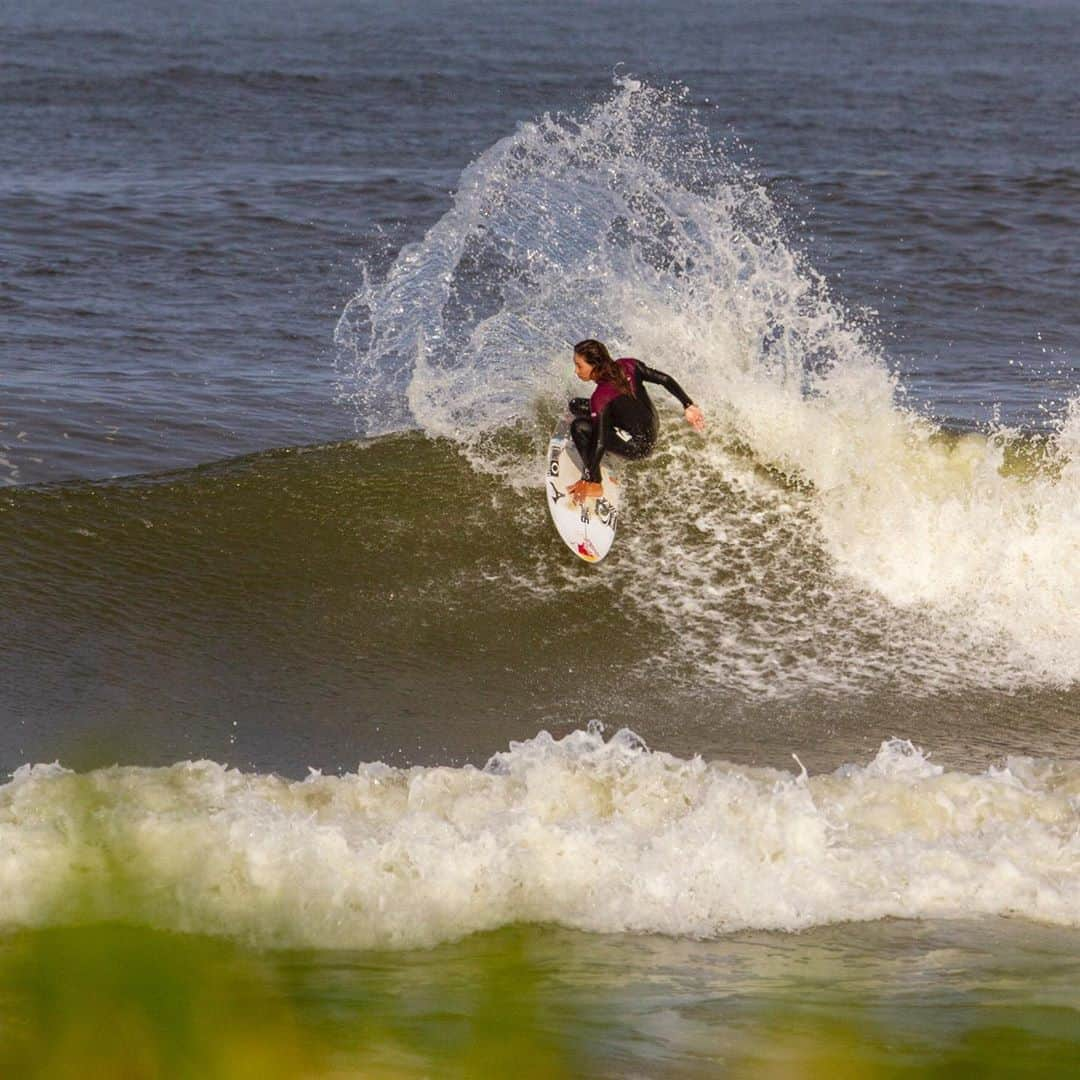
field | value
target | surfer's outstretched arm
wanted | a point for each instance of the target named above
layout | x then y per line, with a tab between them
693	414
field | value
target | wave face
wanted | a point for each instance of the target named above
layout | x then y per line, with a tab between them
582	832
934	558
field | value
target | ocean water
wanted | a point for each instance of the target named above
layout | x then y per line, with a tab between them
294	663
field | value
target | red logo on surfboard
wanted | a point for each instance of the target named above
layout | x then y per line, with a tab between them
586	550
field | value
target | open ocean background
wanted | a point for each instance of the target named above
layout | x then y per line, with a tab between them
287	297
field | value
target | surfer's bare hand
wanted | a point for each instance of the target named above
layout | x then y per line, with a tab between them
695	417
583	490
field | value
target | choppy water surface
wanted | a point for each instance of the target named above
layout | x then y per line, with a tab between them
186	197
287	306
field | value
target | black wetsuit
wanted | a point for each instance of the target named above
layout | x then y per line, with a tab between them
624	424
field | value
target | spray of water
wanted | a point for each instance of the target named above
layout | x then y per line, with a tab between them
823	534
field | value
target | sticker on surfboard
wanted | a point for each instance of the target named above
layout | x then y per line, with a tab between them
587	528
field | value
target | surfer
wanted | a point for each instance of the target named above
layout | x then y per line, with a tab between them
619	416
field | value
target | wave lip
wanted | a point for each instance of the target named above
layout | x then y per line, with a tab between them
595	835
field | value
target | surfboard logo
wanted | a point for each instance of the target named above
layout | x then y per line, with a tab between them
607	513
587	551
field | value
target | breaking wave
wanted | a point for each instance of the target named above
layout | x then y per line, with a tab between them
868	542
589	834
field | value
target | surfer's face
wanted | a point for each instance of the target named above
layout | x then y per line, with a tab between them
582	368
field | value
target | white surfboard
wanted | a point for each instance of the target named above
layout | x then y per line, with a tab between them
588	528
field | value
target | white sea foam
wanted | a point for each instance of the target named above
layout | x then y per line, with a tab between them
586	833
889	552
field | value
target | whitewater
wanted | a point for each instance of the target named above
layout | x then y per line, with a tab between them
949	557
582	832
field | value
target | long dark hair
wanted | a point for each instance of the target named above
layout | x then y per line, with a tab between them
606	370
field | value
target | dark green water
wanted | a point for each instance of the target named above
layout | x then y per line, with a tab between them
384	601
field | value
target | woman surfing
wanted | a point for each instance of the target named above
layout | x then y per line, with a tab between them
619	417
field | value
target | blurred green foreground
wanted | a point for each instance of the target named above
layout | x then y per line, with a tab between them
122	1001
